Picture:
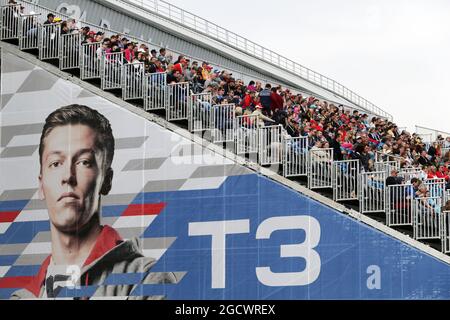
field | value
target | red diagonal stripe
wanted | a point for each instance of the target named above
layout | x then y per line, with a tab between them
14	282
144	209
9	216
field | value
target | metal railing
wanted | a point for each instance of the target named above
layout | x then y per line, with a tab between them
295	157
431	134
223	122
90	63
372	192
49	38
246	134
111	70
345	180
178	100
133	81
200	112
320	168
69	51
387	166
436	187
427	218
409	173
155	91
212	30
270	143
399	205
10	21
29	31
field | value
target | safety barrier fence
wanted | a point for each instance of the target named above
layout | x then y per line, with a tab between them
200	112
372	192
410	173
49	38
178	100
28	31
295	157
10	21
345	180
320	168
427	218
436	187
223	123
270	145
246	134
399	205
155	91
69	51
387	166
133	78
385	157
90	61
111	70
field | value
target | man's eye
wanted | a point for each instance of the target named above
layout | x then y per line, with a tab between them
55	164
85	163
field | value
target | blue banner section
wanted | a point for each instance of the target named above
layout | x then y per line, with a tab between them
255	239
354	260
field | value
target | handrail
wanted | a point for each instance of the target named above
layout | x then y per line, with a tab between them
212	30
437	132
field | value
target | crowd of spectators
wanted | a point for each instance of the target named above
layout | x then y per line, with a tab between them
351	134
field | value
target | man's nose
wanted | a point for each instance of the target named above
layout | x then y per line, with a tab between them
69	175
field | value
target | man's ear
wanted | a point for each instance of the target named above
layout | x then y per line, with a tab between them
107	183
41	189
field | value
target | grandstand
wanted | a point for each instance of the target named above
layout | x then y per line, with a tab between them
353	153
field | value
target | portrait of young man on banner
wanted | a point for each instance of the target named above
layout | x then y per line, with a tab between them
76	153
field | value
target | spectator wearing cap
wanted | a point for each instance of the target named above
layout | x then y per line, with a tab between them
179	66
206	71
394	179
261	118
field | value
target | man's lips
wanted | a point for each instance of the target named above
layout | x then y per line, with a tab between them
68	195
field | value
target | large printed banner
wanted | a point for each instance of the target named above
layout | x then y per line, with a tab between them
97	202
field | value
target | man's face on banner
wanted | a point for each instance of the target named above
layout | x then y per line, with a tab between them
72	176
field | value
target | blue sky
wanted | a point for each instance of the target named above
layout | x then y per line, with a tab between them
394	53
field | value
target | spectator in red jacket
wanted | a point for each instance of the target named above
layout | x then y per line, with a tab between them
443	173
129	52
277	100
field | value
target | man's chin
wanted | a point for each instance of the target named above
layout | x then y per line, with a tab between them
70	222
